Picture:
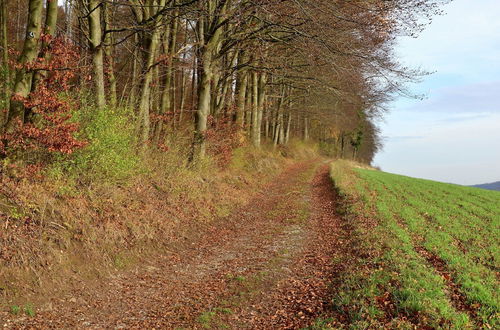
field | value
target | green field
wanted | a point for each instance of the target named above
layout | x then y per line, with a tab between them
427	252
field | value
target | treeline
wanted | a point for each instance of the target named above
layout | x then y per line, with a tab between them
217	72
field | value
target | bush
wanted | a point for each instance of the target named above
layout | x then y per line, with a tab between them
110	154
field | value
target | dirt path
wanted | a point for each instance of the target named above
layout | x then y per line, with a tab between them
266	266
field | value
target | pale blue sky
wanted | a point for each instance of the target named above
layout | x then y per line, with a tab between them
453	135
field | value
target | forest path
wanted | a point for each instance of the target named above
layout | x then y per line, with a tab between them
266	266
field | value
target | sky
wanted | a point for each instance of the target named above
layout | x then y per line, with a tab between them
454	134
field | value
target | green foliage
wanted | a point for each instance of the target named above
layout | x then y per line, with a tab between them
321	324
110	155
206	319
29	310
15	309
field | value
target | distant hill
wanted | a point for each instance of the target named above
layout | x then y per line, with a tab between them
489	186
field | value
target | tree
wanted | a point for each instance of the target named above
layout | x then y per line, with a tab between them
210	27
48	34
96	46
154	15
24	75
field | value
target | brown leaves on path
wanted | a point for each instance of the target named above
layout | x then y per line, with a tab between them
267	265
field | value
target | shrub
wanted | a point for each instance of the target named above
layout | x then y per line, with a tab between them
110	154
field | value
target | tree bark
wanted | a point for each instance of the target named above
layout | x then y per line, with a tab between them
278	128
306	128
288	125
204	98
96	47
210	38
69	18
143	127
50	30
109	52
183	93
226	83
24	78
260	106
5	61
169	44
135	74
241	89
183	74
255	109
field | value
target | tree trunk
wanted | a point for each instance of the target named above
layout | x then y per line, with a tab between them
342	145
215	89
266	124
194	81
208	49
95	32
143	127
5	60
279	118
226	84
135	73
183	74
183	92
69	18
23	80
203	107
241	89
255	109
281	133
288	125
306	128
109	52
50	29
169	41
260	106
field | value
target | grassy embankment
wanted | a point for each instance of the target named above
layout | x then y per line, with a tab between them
427	252
106	207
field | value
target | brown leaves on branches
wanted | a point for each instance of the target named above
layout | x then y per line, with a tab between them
47	124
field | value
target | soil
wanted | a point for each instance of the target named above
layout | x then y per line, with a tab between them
268	265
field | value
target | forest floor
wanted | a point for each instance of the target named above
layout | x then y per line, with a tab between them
267	265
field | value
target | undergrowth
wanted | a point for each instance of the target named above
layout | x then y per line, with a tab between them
110	155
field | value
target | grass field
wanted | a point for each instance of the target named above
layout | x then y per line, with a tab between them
428	252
